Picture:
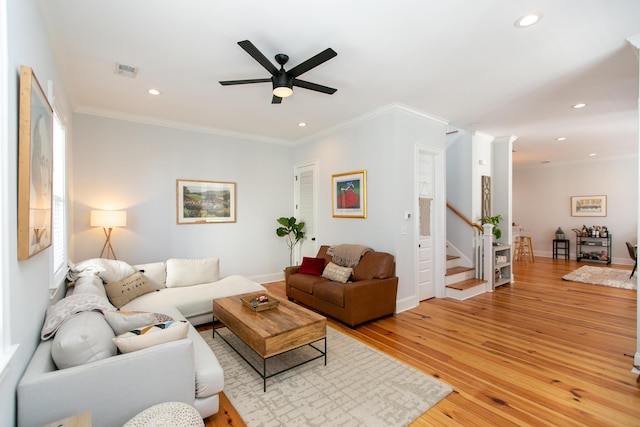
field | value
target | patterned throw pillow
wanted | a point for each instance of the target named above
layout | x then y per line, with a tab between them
123	291
337	273
151	335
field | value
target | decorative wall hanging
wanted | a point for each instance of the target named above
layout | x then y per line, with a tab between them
35	167
349	194
486	196
205	202
588	205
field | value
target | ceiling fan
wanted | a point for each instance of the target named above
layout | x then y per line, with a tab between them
282	80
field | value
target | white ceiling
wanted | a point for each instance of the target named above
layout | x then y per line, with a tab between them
459	60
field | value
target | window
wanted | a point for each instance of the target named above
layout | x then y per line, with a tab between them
59	243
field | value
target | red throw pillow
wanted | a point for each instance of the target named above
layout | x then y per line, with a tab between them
312	266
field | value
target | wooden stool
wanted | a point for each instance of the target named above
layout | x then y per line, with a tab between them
524	249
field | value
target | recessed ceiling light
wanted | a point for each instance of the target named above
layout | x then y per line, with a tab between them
153	92
593	154
302	124
562	138
579	105
527	20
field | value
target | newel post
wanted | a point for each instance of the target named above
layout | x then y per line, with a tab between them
487	248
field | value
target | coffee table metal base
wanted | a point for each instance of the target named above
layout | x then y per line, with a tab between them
322	353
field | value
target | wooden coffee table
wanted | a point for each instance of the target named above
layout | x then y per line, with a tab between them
271	332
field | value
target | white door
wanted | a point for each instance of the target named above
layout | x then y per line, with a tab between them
425	178
306	208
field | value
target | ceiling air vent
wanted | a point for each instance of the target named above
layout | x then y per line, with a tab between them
126	70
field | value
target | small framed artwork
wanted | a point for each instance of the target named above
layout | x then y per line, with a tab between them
205	202
349	194
588	205
35	167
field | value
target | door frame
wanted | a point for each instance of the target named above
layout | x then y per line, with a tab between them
314	165
438	219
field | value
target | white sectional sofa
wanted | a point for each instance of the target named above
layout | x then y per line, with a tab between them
87	362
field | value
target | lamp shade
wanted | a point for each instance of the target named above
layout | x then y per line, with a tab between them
108	219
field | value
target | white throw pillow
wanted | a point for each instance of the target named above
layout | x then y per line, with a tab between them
109	270
124	321
155	272
188	272
88	285
85	337
151	335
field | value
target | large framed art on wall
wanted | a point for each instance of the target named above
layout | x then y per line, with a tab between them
205	202
35	167
588	205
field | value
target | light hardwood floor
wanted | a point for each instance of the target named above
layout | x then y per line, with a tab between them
540	351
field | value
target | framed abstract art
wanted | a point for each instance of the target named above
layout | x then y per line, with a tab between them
349	194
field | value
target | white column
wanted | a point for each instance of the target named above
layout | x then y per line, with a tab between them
635	42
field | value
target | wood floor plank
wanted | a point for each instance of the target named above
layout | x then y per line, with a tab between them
538	352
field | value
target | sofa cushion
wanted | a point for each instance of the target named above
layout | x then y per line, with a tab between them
88	285
311	266
123	291
337	273
109	270
188	272
374	265
330	292
305	282
194	300
85	337
155	272
124	321
151	335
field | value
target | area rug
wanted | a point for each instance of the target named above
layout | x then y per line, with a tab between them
359	386
603	276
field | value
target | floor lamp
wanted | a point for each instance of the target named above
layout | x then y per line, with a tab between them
107	220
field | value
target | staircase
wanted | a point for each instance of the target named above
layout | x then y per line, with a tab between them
460	282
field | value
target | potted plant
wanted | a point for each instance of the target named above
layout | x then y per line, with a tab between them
292	230
493	220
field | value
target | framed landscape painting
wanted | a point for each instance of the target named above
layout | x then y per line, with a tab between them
349	194
205	202
35	167
588	205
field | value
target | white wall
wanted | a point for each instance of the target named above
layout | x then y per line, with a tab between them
384	144
120	164
541	201
28	295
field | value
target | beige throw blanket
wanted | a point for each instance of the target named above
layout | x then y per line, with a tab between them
347	255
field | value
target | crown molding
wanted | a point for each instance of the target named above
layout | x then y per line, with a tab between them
148	120
393	107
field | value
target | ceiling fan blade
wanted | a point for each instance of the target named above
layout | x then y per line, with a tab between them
313	62
313	86
276	100
258	56
243	82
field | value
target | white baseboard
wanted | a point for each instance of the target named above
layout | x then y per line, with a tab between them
268	278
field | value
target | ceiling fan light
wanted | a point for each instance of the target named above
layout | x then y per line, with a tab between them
282	91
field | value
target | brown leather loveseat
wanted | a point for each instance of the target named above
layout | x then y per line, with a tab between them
369	293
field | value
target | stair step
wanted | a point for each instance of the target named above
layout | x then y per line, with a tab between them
466	284
455	270
450	257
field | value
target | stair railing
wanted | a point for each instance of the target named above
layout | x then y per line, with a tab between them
478	247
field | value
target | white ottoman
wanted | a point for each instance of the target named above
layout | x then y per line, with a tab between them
168	414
